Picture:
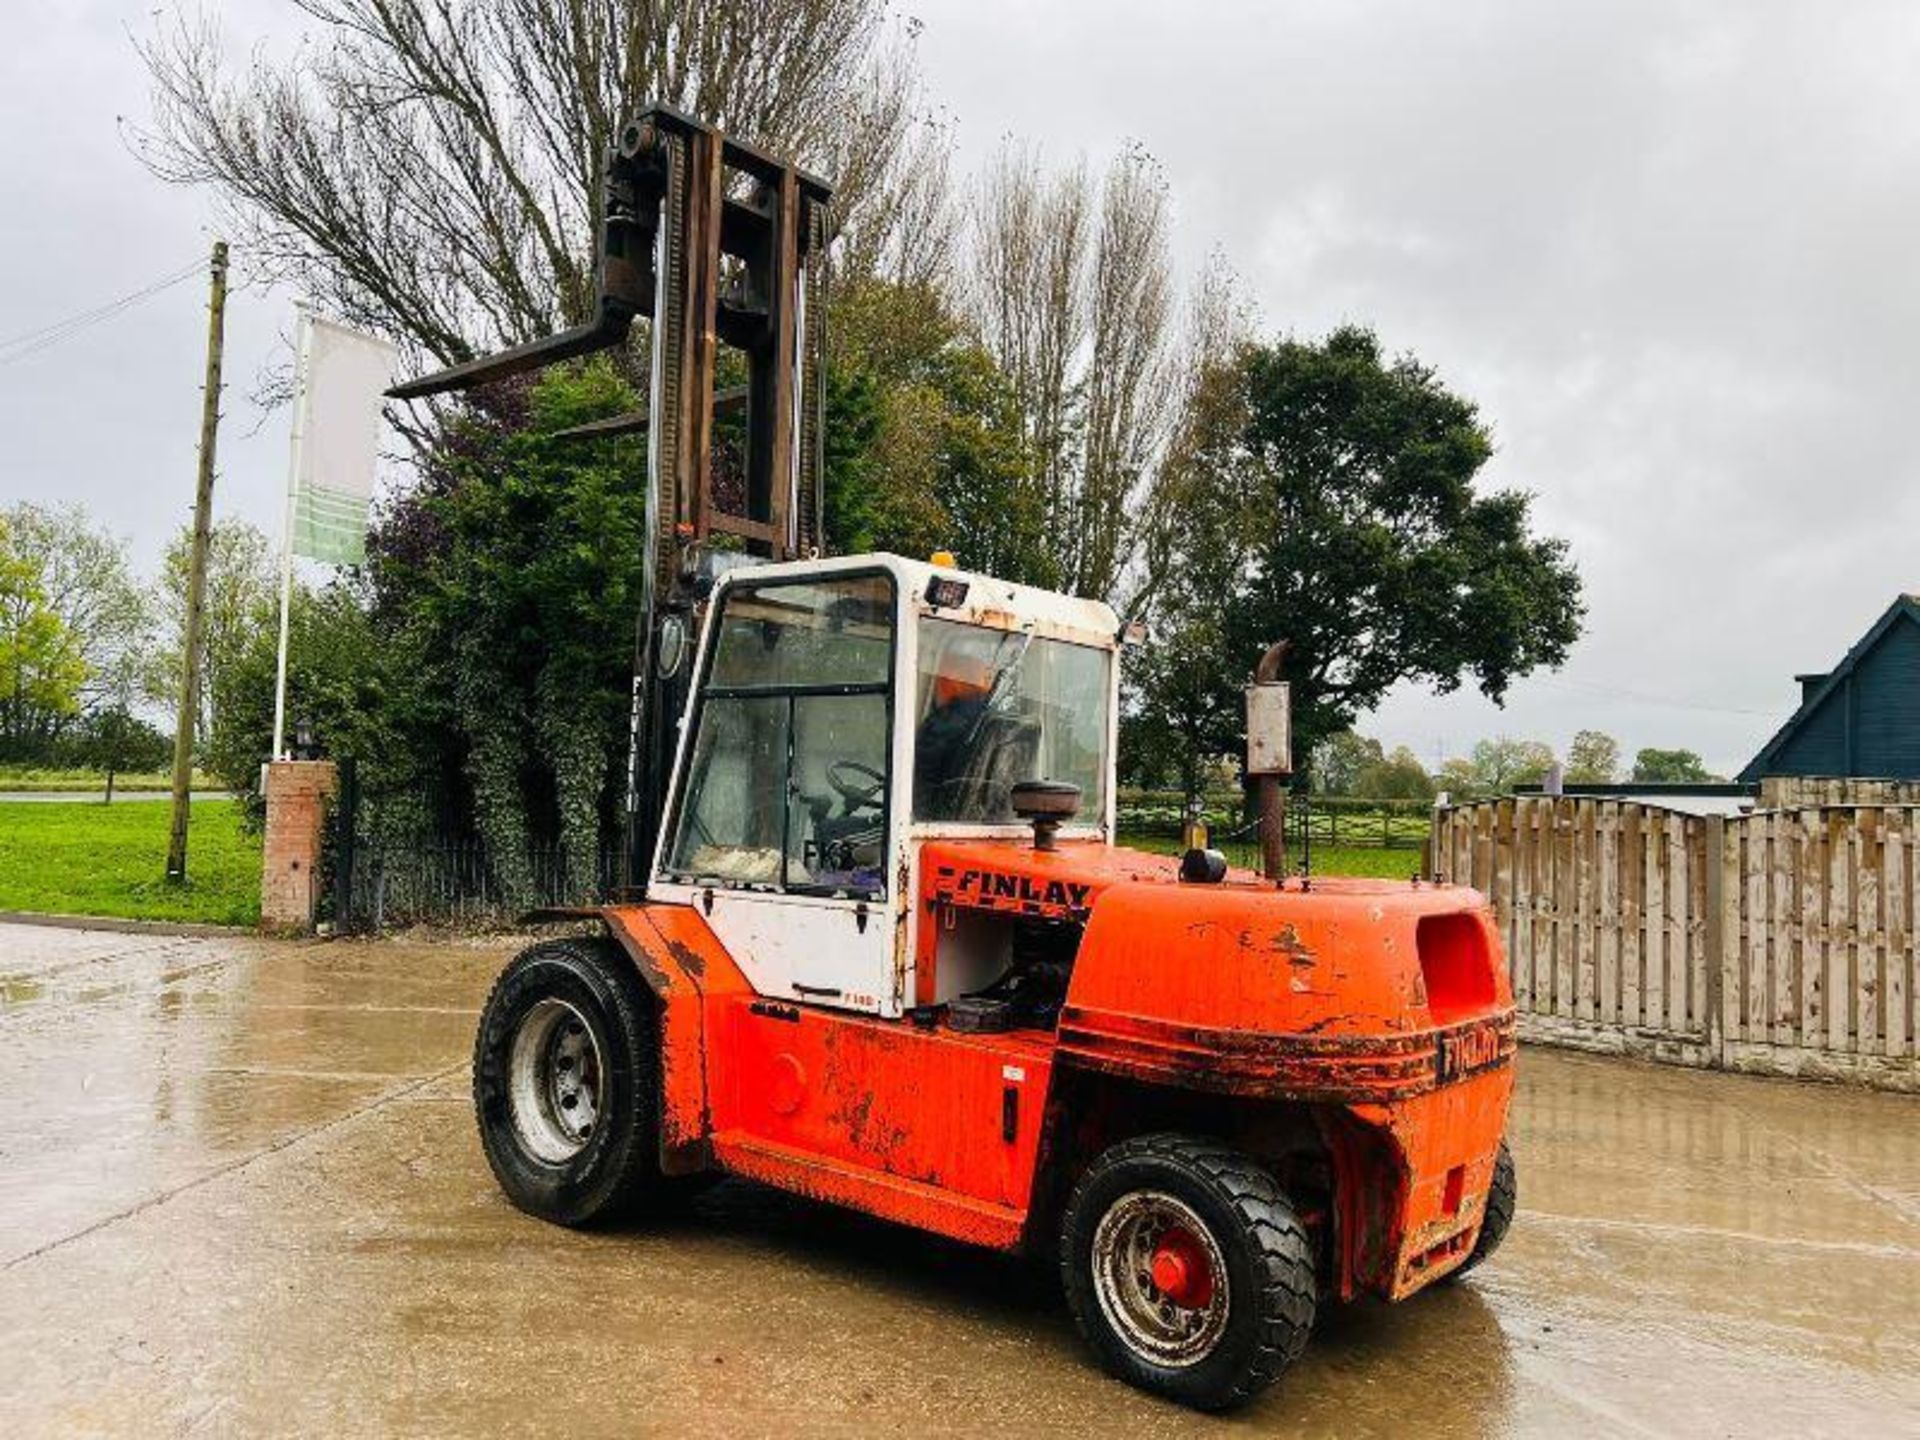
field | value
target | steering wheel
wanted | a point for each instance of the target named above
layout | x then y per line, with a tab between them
856	794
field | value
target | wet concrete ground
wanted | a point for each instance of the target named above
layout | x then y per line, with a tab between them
240	1193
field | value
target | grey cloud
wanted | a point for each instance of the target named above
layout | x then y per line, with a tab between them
1666	246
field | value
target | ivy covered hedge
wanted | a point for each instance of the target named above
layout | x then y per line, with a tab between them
477	667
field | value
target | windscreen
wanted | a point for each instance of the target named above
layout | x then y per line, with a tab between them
993	708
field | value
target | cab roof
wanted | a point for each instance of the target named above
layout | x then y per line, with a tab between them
998	604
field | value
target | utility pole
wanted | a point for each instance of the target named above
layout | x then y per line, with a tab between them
197	571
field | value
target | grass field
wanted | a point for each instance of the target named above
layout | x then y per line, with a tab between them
32	777
86	858
1363	860
91	859
1396	864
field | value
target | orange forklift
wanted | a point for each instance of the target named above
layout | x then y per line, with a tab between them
875	943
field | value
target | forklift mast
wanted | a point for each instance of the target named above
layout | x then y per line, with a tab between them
719	246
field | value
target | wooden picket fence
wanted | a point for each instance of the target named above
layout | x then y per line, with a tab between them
1780	941
1791	792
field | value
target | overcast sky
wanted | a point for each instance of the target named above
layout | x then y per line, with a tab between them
1669	248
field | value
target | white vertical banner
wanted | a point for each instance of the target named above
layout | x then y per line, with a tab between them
339	381
339	397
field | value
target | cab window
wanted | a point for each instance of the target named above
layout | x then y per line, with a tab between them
995	707
786	785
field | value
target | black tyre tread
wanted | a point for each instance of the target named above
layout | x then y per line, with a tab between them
635	1179
1502	1196
1284	1249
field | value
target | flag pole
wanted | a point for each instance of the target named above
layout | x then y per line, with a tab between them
302	348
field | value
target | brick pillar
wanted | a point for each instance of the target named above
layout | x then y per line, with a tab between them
297	793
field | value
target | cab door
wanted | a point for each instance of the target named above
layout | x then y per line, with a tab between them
781	824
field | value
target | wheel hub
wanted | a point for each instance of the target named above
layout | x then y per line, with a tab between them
554	1077
1160	1278
1180	1271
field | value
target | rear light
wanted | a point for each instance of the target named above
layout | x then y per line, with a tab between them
1457	964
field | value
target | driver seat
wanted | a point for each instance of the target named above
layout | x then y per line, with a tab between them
1005	752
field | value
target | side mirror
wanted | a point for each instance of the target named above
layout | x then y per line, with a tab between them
1046	804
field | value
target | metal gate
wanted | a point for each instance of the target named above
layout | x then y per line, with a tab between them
377	881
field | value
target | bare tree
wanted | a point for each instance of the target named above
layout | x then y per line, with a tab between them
1028	299
1171	533
1129	380
906	229
1071	289
431	168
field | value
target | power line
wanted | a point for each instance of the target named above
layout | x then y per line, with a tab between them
89	316
1614	692
19	347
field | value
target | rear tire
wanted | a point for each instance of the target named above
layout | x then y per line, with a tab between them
566	1083
1501	1196
1187	1270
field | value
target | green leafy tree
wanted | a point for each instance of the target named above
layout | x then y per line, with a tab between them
855	500
41	668
241	601
1458	781
1181	699
1671	767
77	573
1502	763
1326	495
1593	758
923	439
1398	776
349	681
112	739
1496	766
111	736
1341	759
1148	759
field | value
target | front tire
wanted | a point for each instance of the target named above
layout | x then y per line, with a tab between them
1187	1270
566	1083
